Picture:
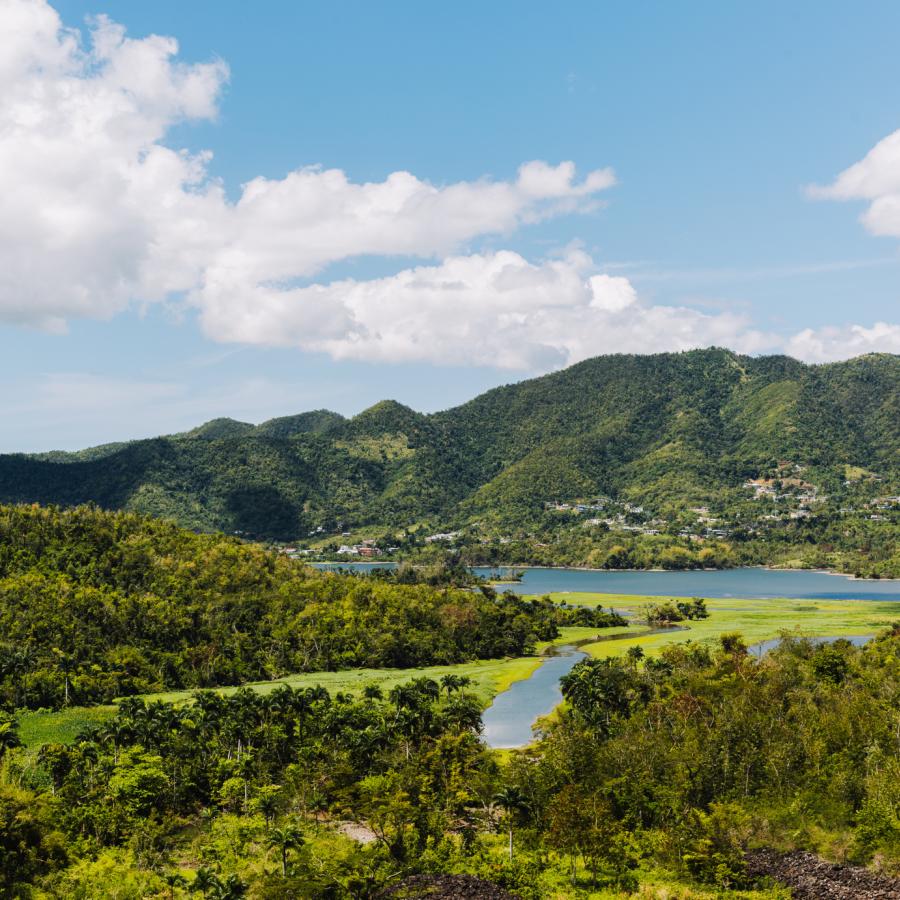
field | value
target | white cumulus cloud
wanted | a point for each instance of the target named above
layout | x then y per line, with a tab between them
835	342
87	187
100	213
875	178
494	309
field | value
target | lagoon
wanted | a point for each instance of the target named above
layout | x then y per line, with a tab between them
742	583
747	583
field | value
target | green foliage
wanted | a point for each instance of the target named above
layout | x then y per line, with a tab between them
707	754
680	762
97	605
30	845
715	843
667	431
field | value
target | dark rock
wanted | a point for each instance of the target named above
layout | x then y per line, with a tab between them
445	887
811	878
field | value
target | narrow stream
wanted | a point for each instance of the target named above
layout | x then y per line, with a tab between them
508	720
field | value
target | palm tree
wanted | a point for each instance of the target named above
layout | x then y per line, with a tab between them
174	880
428	687
232	888
267	802
464	713
285	838
9	733
204	881
90	753
117	732
403	695
451	682
317	694
514	803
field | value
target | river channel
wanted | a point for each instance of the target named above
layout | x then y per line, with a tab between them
508	721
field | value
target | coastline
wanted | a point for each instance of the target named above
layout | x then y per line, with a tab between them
847	575
526	566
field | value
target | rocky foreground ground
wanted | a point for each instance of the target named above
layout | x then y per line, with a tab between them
445	887
811	878
807	876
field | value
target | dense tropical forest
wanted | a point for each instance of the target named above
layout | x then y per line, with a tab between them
686	459
97	605
661	775
681	773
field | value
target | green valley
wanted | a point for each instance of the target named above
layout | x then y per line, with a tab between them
703	458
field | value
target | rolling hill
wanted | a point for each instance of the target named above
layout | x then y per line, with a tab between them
665	430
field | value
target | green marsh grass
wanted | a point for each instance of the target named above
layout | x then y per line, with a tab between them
756	620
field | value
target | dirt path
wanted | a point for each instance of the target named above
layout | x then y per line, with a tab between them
811	878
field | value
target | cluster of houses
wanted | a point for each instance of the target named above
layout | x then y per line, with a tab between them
803	494
367	549
442	537
561	506
797	499
619	523
600	503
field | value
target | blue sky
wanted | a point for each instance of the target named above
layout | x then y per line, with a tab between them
152	306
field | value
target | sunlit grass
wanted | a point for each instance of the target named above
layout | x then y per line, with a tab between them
757	620
61	727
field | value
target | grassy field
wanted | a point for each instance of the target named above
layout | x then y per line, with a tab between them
756	620
62	727
489	678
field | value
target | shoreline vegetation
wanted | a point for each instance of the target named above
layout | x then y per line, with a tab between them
678	460
349	564
675	753
758	620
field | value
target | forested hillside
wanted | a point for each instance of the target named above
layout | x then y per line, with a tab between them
666	431
96	605
675	775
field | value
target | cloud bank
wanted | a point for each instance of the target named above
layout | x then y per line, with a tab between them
875	178
494	309
100	214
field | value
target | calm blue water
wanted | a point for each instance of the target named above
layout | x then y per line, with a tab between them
763	647
353	566
508	720
750	583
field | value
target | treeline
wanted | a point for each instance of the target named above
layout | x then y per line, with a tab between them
698	754
258	772
675	764
97	605
605	550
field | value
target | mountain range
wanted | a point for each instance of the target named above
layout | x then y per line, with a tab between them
665	430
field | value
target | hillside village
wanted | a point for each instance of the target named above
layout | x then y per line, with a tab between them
756	512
